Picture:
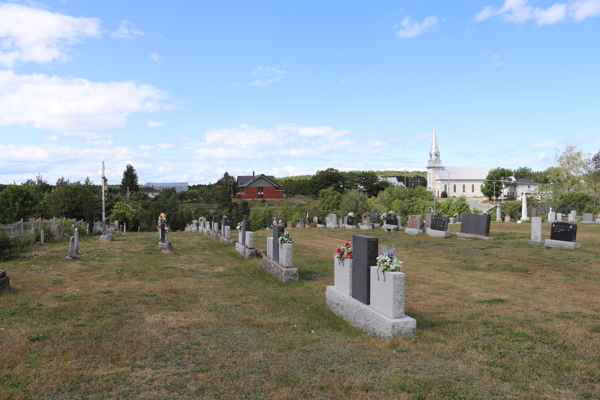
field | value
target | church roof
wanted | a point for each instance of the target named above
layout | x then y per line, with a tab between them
463	173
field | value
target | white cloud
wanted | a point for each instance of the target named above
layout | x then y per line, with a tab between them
313	131
72	104
409	28
145	147
155	124
51	138
155	57
267	75
519	11
165	146
38	35
545	143
126	30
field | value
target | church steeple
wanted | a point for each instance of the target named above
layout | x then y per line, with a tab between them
434	154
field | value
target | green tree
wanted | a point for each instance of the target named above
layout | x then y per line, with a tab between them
329	177
524	173
19	201
130	179
496	181
124	213
592	178
75	201
353	201
224	191
329	201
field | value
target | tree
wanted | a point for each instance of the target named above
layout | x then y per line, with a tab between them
329	201
73	201
18	201
124	213
567	202
329	177
130	179
592	178
524	173
566	174
495	182
225	191
353	201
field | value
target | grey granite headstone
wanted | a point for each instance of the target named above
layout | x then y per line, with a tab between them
42	237
536	231
277	231
346	220
428	220
551	216
476	224
588	217
77	249
365	251
245	229
498	214
117	226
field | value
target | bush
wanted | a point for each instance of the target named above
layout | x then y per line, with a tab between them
444	195
570	201
9	246
355	202
47	234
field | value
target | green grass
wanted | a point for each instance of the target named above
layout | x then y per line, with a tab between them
123	321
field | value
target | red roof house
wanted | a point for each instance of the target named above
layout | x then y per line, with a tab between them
258	187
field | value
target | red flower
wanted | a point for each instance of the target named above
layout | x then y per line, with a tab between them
338	251
348	244
349	255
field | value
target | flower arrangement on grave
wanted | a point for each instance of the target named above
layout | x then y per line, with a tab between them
280	222
344	251
387	260
201	219
225	216
351	214
286	238
239	226
365	214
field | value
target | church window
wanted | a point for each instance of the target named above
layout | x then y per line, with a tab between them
463	188
454	188
445	188
472	188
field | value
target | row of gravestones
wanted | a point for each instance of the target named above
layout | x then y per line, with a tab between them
563	235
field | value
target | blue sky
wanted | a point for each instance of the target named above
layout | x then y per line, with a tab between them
185	91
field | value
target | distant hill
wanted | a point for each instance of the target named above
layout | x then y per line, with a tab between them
378	173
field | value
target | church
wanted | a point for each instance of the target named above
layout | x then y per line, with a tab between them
455	181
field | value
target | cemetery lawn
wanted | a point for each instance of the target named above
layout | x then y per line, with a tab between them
495	319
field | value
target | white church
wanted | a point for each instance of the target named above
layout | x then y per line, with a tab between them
456	181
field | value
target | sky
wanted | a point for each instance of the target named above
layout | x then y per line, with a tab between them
187	90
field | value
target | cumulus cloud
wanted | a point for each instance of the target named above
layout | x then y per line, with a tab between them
312	131
126	30
72	104
30	34
408	28
267	75
155	57
519	11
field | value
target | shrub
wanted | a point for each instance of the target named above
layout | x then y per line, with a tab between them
47	234
444	195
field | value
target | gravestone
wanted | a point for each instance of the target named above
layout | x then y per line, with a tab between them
245	229
77	249
163	238
42	237
559	217
139	228
524	216
588	218
332	221
428	220
117	226
277	232
536	231
475	225
4	280
415	221
71	248
214	221
391	219
289	225
439	223
365	252
563	231
225	221
498	214
459	218
375	218
350	221
320	220
534	212
507	218
551	216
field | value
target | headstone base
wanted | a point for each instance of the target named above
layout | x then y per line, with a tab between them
366	227
413	231
244	251
367	318
390	227
165	246
278	271
331	226
225	241
349	226
106	238
588	222
471	236
436	233
560	244
320	226
535	242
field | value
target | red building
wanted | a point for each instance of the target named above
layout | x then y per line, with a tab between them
258	187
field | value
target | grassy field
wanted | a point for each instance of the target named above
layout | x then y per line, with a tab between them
499	319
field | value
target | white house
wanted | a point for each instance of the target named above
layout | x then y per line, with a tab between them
519	188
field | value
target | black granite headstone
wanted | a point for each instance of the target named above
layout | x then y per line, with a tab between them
225	221
439	223
563	231
310	220
374	218
476	224
364	252
320	220
277	231
214	222
391	219
162	232
350	220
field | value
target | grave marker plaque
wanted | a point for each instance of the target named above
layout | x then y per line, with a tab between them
321	221
439	223
563	231
476	224
391	219
588	217
364	250
350	221
415	221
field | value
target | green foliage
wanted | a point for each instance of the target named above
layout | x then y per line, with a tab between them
592	178
329	201
324	179
47	234
10	246
496	180
20	201
130	179
453	206
567	202
567	173
444	195
225	189
124	213
75	201
353	201
260	218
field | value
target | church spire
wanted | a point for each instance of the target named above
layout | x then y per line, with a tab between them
434	154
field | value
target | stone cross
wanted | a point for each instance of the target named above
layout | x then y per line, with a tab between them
277	231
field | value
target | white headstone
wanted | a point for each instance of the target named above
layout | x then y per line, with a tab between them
524	216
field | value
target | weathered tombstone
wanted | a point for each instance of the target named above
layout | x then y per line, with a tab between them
559	217
428	220
139	228
364	250
245	229
536	231
4	280
507	218
42	237
71	247
415	225
588	218
290	225
77	249
498	214
117	226
332	221
551	216
475	225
